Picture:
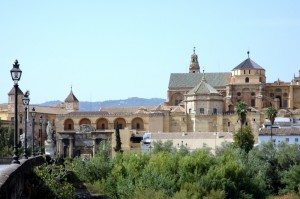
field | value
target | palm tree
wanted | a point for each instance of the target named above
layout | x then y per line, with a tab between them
271	114
241	110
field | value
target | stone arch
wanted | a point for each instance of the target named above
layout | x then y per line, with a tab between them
137	123
176	98
69	124
84	121
102	123
121	122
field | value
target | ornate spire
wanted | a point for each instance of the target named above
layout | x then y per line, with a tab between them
203	77
194	65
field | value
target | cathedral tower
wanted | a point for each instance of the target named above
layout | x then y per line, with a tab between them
194	65
71	103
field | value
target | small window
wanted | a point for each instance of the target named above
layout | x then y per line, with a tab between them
253	102
285	94
244	72
215	111
190	110
285	103
238	93
201	110
177	101
296	140
287	139
228	123
271	94
278	90
247	79
253	94
253	119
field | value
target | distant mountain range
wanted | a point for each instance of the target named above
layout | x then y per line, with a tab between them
95	106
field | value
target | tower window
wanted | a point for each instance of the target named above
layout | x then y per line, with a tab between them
215	111
238	94
247	79
253	102
177	101
201	110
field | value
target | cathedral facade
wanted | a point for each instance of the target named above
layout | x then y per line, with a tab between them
196	102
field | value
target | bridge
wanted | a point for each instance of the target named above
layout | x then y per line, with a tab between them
13	176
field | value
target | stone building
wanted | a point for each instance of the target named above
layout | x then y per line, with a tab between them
196	102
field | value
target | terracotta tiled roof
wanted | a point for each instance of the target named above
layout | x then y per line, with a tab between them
280	131
133	109
48	110
190	135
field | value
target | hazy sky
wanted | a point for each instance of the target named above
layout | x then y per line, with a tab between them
120	49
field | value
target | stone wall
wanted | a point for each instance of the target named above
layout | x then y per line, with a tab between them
12	179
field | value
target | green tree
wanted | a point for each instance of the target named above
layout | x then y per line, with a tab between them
241	110
118	147
159	146
51	182
271	114
291	178
244	139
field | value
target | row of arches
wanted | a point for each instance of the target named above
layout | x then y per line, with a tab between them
102	123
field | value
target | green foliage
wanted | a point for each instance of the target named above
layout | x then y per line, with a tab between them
271	114
95	168
231	173
160	146
291	178
241	110
244	139
52	182
6	141
118	147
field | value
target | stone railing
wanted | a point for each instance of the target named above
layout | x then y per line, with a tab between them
13	177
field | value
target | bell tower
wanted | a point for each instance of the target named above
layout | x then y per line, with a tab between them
71	102
194	65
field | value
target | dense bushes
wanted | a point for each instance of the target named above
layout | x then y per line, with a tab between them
167	173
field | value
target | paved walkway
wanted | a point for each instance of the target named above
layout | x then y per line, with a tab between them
4	166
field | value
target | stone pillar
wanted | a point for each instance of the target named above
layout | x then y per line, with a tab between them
291	97
71	147
94	147
276	103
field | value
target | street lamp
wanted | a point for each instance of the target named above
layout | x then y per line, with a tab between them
26	101
33	123
16	76
40	133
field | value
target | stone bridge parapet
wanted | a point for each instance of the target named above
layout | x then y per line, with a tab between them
12	179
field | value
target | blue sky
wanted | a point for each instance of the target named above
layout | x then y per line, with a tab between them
120	49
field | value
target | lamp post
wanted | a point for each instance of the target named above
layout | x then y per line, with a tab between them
26	101
16	76
40	133
33	123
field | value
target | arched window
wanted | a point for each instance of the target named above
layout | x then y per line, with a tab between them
69	124
247	79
